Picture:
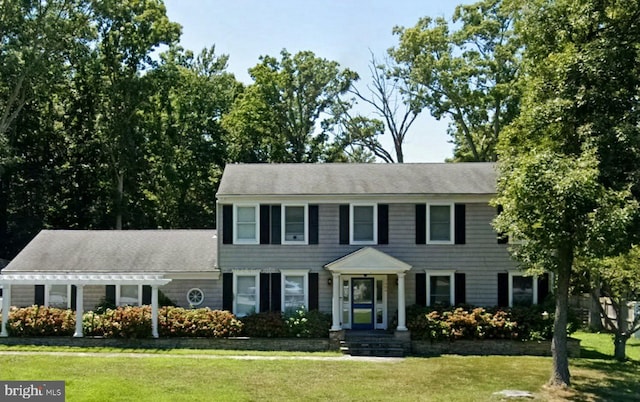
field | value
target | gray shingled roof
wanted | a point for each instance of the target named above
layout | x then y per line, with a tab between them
358	178
118	251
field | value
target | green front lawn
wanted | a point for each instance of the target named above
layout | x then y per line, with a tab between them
172	377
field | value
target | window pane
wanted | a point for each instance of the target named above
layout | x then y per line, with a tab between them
440	222
293	292
440	290
246	292
58	296
522	290
363	223
246	221
129	295
294	223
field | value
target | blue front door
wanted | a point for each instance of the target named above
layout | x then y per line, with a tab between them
362	304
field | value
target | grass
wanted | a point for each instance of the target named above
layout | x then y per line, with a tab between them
165	377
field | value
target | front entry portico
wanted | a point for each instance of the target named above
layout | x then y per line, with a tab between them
361	289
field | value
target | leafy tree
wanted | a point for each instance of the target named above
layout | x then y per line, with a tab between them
280	117
128	32
186	151
569	164
466	74
618	279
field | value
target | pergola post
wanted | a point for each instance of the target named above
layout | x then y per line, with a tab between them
6	306
154	311
79	311
402	321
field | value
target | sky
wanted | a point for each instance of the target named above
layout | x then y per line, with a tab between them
346	31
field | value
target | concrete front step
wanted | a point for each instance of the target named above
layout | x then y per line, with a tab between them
373	345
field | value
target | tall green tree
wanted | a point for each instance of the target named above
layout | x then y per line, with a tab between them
128	33
569	165
280	117
186	150
465	70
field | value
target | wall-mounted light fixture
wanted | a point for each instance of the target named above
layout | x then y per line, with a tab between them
330	281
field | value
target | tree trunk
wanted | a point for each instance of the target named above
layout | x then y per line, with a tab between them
120	197
622	332
595	317
560	376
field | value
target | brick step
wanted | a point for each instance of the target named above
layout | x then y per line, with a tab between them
374	347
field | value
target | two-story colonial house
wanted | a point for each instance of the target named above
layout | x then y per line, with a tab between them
361	241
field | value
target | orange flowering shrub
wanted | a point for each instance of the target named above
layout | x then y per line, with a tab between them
41	321
202	322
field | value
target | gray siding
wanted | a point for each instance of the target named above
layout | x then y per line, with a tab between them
177	290
481	258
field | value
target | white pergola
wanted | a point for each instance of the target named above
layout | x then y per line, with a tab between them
80	280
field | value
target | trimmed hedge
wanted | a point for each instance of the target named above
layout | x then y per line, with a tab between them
293	324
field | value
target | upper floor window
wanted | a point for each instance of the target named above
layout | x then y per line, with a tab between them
363	224
246	224
294	224
440	223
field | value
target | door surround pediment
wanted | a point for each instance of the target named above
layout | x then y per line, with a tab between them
367	260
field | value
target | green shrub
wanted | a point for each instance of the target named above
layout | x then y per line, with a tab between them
268	324
41	321
307	324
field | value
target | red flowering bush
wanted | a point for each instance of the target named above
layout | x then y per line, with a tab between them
41	321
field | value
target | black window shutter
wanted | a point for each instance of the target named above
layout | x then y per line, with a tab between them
74	293
543	287
265	294
503	290
313	224
460	291
227	224
110	294
276	224
276	291
265	224
502	237
146	294
459	216
383	224
313	291
227	291
421	289
39	299
344	224
421	224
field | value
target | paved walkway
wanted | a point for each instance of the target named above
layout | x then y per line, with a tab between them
372	359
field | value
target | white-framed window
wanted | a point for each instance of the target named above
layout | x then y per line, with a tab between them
295	289
58	296
195	297
295	225
129	295
364	223
440	219
246	291
523	290
245	223
441	288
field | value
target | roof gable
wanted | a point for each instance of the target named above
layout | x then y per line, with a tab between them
368	260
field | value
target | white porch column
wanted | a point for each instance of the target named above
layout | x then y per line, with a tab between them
402	320
6	305
79	311
335	302
154	311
